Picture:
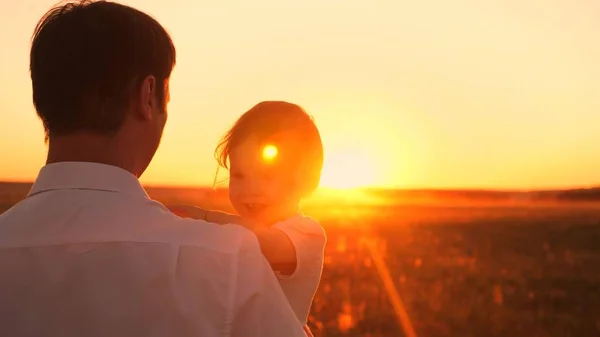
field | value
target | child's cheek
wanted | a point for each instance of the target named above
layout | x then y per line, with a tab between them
279	189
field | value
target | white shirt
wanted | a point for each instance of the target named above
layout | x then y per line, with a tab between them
308	238
88	253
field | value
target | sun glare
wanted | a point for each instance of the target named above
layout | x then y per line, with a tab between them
269	152
346	170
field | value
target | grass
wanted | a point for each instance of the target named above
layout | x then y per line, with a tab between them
534	273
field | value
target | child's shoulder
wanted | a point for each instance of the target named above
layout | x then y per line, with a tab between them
301	223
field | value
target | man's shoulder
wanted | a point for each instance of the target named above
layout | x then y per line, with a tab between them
167	227
118	219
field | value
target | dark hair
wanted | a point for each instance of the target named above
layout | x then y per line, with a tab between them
87	58
270	118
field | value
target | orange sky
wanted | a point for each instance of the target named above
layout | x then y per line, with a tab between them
432	93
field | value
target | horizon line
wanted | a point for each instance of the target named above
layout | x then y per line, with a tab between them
375	187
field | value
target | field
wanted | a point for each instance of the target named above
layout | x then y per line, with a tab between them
484	266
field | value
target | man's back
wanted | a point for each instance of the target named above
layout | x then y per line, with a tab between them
88	253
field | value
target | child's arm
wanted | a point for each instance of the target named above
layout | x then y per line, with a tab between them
276	246
217	217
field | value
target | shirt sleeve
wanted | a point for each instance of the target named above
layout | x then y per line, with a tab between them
259	305
309	239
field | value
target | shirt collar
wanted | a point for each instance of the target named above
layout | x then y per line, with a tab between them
86	176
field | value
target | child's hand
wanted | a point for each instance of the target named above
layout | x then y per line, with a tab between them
188	211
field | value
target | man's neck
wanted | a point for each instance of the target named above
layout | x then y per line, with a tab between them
88	148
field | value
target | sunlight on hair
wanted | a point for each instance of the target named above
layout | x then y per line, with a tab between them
269	152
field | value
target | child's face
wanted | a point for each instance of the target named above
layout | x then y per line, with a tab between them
259	190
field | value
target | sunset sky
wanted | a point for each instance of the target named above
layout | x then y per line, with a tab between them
431	93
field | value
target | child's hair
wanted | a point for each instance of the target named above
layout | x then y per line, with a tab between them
272	118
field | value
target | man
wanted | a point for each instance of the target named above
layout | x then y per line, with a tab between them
88	253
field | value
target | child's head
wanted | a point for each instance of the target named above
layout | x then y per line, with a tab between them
274	155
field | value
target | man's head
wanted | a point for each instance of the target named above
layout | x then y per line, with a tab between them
102	69
274	154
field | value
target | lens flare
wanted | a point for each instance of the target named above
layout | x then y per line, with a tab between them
269	152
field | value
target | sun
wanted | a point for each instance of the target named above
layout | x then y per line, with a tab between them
346	170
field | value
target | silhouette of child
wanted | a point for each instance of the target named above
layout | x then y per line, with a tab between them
274	155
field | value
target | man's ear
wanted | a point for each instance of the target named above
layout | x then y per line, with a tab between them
145	98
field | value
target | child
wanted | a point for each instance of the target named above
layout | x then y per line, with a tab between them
274	155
